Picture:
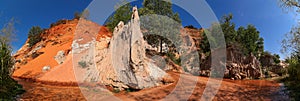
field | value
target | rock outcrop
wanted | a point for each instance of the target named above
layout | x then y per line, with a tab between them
60	57
46	68
131	65
238	66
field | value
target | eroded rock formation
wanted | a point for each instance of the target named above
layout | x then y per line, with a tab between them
132	67
238	66
123	64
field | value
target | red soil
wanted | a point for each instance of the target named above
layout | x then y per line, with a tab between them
55	39
229	90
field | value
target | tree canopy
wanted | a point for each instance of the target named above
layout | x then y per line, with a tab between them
122	13
34	35
159	7
247	38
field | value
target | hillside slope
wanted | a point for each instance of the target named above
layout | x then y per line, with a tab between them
32	62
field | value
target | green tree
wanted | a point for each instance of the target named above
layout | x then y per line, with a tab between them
276	58
207	42
8	87
122	13
34	35
228	28
250	39
160	7
155	36
164	19
241	32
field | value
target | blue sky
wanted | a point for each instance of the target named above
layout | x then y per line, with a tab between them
266	15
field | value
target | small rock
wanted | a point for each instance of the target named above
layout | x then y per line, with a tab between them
60	57
46	68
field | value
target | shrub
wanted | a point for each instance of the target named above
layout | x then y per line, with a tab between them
130	90
36	54
34	35
116	90
294	69
190	26
172	56
82	64
59	22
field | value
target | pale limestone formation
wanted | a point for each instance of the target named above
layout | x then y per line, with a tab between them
121	61
60	57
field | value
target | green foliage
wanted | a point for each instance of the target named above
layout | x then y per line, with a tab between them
156	40
116	90
293	88
130	90
276	58
228	28
210	37
190	27
82	64
292	81
172	57
34	35
291	46
160	7
294	67
9	88
248	38
122	13
160	29
59	22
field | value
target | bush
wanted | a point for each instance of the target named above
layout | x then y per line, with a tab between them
36	54
59	22
82	64
292	81
294	69
172	57
34	35
190	26
116	90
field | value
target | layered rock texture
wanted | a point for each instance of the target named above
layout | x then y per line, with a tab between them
119	61
129	59
238	66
